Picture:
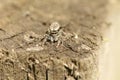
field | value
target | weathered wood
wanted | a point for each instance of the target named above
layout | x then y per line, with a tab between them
76	60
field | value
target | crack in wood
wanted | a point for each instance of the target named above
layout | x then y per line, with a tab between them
34	72
47	74
10	37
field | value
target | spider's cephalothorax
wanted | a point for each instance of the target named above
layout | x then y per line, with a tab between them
54	28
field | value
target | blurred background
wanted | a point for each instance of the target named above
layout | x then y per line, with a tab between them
110	63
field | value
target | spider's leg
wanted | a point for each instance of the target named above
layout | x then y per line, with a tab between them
59	42
44	40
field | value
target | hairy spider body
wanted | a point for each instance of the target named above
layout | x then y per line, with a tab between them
55	34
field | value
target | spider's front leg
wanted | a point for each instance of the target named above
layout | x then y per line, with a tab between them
44	39
59	42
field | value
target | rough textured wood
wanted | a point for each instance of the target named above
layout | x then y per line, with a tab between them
77	59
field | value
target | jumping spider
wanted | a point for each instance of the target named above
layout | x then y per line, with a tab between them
54	34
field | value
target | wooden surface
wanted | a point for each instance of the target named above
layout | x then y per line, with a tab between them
21	17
